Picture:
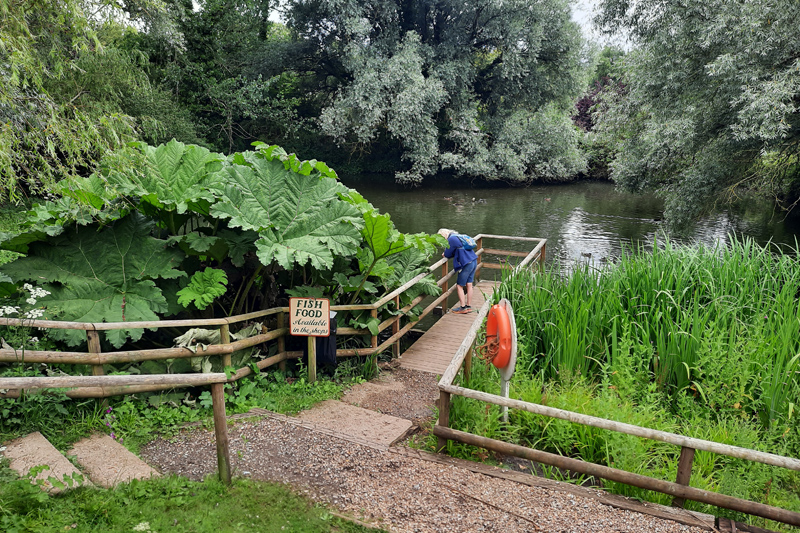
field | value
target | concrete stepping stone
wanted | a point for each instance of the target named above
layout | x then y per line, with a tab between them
107	462
34	450
361	424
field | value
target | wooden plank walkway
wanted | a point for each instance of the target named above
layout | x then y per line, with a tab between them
435	349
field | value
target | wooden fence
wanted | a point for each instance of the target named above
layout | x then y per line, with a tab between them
100	386
680	489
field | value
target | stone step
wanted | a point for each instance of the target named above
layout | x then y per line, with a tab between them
34	450
361	424
107	462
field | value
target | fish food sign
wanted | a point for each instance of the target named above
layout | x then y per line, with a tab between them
309	317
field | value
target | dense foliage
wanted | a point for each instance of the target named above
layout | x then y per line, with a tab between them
711	100
479	89
190	232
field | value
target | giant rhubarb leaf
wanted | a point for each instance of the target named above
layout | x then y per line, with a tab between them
176	176
299	218
104	276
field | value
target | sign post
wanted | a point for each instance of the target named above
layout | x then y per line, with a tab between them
310	317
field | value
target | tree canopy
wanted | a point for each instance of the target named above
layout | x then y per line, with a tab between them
478	88
69	95
710	100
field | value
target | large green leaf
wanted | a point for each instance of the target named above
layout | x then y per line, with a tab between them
381	237
92	191
49	219
175	176
101	276
204	287
239	243
299	218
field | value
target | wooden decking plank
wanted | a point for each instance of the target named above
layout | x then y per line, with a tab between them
435	349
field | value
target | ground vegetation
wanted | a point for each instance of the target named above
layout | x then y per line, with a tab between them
691	340
162	504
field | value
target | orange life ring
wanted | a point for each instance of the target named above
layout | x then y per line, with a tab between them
498	325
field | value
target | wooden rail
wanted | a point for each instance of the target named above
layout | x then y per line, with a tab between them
98	385
680	490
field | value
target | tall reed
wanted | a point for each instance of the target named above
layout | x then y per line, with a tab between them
695	310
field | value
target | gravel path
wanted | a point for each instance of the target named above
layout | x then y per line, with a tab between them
393	491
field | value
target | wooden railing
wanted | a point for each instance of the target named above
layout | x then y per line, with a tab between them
96	358
99	385
680	489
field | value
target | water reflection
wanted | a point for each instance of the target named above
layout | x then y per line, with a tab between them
589	222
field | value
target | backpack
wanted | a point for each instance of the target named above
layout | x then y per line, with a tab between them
467	242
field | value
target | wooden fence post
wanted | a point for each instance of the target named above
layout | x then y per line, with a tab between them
93	341
374	340
221	432
444	418
542	257
225	338
282	340
312	359
396	328
684	472
479	242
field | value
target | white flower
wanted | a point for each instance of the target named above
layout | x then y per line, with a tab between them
28	287
8	310
142	526
31	301
34	340
34	313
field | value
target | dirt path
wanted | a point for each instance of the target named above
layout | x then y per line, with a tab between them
397	488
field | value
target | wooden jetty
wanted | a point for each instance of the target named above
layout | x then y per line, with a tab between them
435	349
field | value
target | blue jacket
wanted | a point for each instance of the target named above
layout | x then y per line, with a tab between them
457	252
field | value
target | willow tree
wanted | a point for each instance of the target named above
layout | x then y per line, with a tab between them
68	96
478	88
710	100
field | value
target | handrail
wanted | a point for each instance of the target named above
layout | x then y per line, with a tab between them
628	429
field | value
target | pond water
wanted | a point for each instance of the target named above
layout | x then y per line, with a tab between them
586	221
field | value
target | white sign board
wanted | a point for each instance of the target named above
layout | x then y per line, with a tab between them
310	317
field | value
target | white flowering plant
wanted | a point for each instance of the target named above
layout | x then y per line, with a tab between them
21	337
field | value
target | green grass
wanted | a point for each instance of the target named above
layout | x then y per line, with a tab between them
164	504
692	340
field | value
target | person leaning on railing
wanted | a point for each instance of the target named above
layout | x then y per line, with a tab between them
464	263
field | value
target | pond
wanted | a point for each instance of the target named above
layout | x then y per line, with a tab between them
585	221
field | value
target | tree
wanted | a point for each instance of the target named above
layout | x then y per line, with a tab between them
480	88
68	96
233	73
711	100
43	136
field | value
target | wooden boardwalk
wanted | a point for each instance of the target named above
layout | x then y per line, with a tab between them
435	349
